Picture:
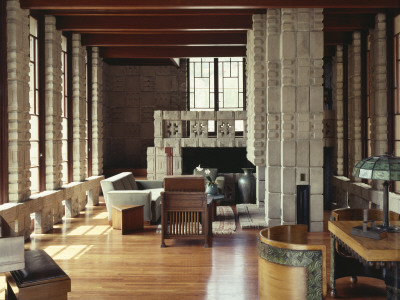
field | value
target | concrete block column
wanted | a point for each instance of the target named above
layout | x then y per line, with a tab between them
79	108
294	113
18	101
337	91
97	112
256	99
379	86
355	142
273	107
53	104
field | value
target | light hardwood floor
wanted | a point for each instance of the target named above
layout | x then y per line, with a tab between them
103	264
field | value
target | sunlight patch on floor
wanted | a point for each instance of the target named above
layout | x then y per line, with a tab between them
53	250
70	252
100	216
80	230
98	230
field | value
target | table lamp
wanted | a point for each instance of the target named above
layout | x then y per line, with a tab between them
386	168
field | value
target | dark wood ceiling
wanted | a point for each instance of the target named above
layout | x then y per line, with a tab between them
153	31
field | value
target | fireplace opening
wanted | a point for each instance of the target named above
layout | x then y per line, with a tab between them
225	159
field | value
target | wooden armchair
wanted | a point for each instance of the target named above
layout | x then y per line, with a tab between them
342	262
289	267
184	210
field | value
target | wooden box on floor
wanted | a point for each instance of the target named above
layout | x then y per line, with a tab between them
128	217
42	279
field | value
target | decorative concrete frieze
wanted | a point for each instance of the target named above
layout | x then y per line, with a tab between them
172	129
225	129
18	101
193	130
199	129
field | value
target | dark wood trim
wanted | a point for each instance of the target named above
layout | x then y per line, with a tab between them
390	80
42	104
364	82
216	91
70	108
348	22
89	107
3	105
337	38
154	12
188	84
345	112
204	4
221	38
138	62
244	85
168	52
161	22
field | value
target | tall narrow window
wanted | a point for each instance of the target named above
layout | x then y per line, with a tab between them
396	94
201	84
89	111
230	83
64	107
86	118
368	98
3	106
34	103
216	83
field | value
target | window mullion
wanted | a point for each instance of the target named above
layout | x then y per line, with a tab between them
216	89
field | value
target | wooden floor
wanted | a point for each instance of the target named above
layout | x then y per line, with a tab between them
103	264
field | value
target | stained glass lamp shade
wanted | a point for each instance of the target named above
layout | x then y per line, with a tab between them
384	167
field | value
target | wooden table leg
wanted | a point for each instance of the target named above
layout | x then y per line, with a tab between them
332	277
393	282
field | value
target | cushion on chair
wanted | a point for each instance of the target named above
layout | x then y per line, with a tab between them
118	185
132	182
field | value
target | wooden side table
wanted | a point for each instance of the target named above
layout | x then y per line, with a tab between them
127	217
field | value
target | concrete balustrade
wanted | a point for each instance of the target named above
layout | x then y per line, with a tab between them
47	206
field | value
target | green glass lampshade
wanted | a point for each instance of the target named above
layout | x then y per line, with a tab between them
384	167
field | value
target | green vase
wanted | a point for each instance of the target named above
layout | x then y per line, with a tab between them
212	189
247	186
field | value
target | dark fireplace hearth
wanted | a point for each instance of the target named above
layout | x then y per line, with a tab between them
227	160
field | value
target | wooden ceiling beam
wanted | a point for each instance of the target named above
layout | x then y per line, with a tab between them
168	52
204	4
350	11
337	38
162	23
139	62
348	22
171	39
151	12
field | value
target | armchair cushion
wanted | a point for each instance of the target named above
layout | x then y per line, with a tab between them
123	189
130	197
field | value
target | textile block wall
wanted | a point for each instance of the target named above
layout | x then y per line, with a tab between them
132	94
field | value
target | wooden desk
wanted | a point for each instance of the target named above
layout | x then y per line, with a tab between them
383	255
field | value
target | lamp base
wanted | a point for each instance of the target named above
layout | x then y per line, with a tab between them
390	229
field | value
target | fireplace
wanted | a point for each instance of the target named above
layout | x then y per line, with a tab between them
225	159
